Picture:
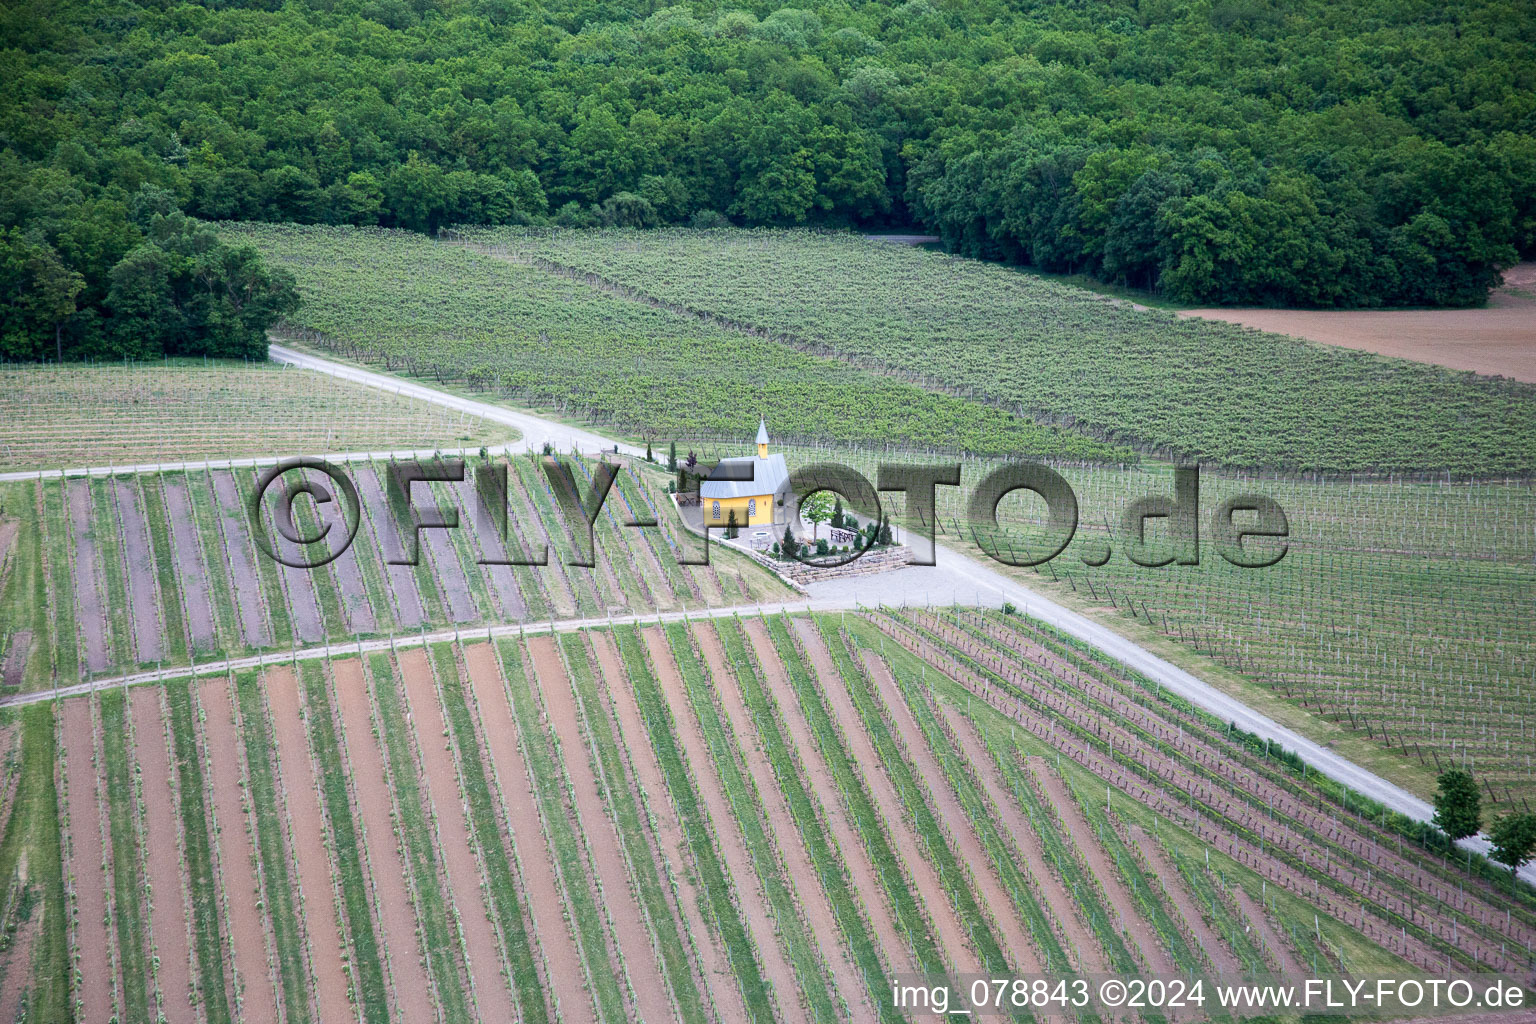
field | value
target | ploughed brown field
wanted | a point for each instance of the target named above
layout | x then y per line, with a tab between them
1498	339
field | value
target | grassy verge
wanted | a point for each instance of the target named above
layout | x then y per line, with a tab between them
747	809
202	883
32	871
276	883
127	881
367	972
905	907
438	932
715	891
177	648
633	828
494	855
551	789
831	873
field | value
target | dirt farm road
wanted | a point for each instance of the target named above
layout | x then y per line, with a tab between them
956	579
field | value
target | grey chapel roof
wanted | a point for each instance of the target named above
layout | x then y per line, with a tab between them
769	476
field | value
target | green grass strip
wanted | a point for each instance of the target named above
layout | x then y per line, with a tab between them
276	884
746	807
951	874
551	790
201	881
500	878
365	960
716	902
32	834
633	828
177	648
438	932
828	862
24	603
908	910
61	586
109	558
127	880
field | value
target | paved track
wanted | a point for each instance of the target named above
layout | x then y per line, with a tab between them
957	579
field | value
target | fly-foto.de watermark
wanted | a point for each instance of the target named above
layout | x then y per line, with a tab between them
1229	526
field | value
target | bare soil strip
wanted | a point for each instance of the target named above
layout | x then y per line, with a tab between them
88	605
725	995
402	580
503	584
298	584
1223	960
1027	851
637	956
801	874
1116	894
306	822
948	929
84	866
995	900
861	870
482	949
242	560
450	573
733	850
143	600
397	915
237	860
1259	920
562	960
189	568
1499	338
349	577
15	962
168	907
16	654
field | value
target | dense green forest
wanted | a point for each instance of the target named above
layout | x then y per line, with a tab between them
1319	152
